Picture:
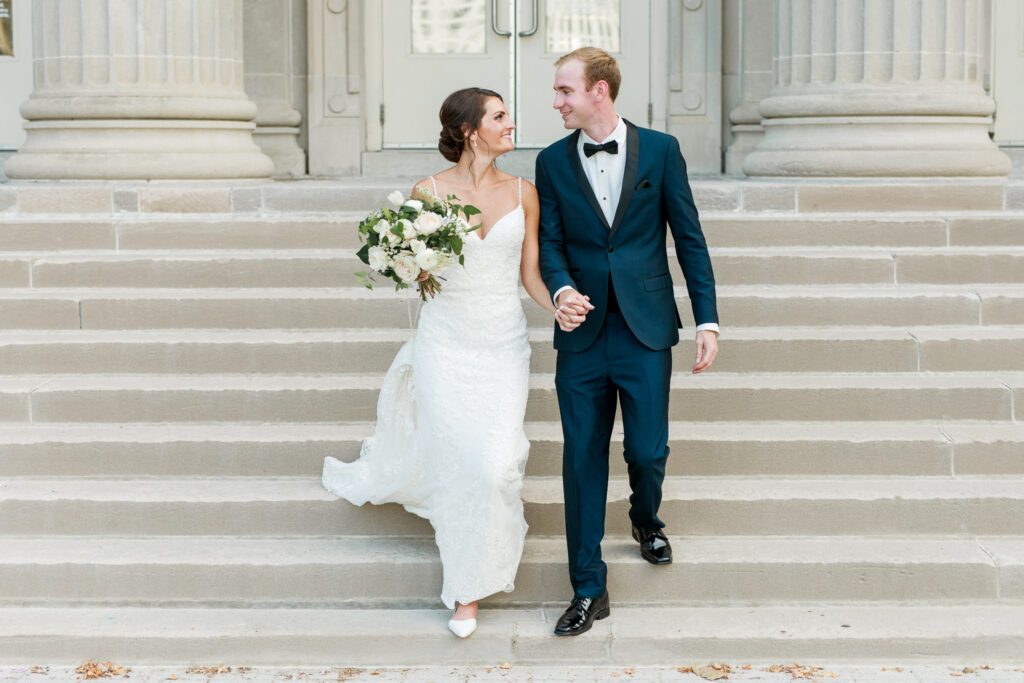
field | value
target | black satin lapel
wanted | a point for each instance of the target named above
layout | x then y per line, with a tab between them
581	177
628	174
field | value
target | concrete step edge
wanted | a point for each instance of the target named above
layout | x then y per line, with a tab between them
536	489
360	550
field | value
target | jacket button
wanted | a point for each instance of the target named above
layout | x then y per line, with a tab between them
611	249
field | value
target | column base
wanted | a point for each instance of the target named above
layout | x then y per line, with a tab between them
745	139
876	146
138	149
281	144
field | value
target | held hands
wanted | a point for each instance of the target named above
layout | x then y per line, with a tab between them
707	349
572	309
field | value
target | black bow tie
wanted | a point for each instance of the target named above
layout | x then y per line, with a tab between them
589	150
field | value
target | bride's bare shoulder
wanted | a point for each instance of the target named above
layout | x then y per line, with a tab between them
424	187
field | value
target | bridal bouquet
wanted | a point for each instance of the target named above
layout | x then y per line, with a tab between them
415	237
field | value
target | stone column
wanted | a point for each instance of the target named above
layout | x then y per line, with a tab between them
275	68
754	79
877	88
138	89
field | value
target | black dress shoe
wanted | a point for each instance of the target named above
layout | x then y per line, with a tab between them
581	615
654	547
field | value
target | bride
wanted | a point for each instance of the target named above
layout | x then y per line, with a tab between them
449	443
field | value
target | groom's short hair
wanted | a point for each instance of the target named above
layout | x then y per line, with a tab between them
598	65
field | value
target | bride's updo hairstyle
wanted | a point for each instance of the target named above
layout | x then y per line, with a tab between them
460	115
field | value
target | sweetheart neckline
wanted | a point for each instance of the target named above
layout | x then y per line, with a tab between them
495	224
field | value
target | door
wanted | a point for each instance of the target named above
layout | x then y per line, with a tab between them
433	47
552	28
15	69
1008	18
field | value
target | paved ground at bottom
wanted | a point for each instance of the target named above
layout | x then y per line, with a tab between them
531	674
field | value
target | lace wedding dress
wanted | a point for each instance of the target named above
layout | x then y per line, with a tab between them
449	444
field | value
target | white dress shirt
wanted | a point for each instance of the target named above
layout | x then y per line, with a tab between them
604	172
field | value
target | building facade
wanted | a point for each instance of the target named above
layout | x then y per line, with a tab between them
117	89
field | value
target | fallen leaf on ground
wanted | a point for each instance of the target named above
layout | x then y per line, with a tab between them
39	670
631	670
93	669
709	673
800	671
506	666
209	670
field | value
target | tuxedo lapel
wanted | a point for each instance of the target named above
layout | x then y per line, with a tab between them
628	175
581	176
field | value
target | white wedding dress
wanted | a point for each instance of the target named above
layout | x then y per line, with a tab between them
449	444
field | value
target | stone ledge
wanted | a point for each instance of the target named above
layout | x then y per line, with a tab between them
312	196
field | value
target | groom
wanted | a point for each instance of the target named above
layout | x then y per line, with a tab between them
606	194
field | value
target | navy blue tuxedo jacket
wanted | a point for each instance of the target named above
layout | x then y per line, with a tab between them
579	249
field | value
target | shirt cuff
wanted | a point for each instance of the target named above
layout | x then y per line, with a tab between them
554	299
708	326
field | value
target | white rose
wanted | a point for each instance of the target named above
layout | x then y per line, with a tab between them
382	226
443	263
406	268
417	246
428	259
378	259
428	223
414	204
391	238
396	198
408	231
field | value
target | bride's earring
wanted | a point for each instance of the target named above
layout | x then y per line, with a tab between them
474	142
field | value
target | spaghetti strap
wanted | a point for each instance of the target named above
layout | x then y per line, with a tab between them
434	183
520	189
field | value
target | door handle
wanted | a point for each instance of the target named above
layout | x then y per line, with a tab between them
533	21
494	21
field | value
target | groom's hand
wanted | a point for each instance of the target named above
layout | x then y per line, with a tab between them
707	349
572	308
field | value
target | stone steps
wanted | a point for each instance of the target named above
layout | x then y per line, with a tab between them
344	397
175	366
335	267
701	449
814	632
405	572
711	506
769	349
336	229
344	307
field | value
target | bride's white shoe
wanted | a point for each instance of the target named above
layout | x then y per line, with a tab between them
462	627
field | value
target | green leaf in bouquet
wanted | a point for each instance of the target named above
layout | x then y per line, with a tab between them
469	210
456	243
364	279
364	253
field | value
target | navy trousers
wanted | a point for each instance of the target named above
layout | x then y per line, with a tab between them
588	382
